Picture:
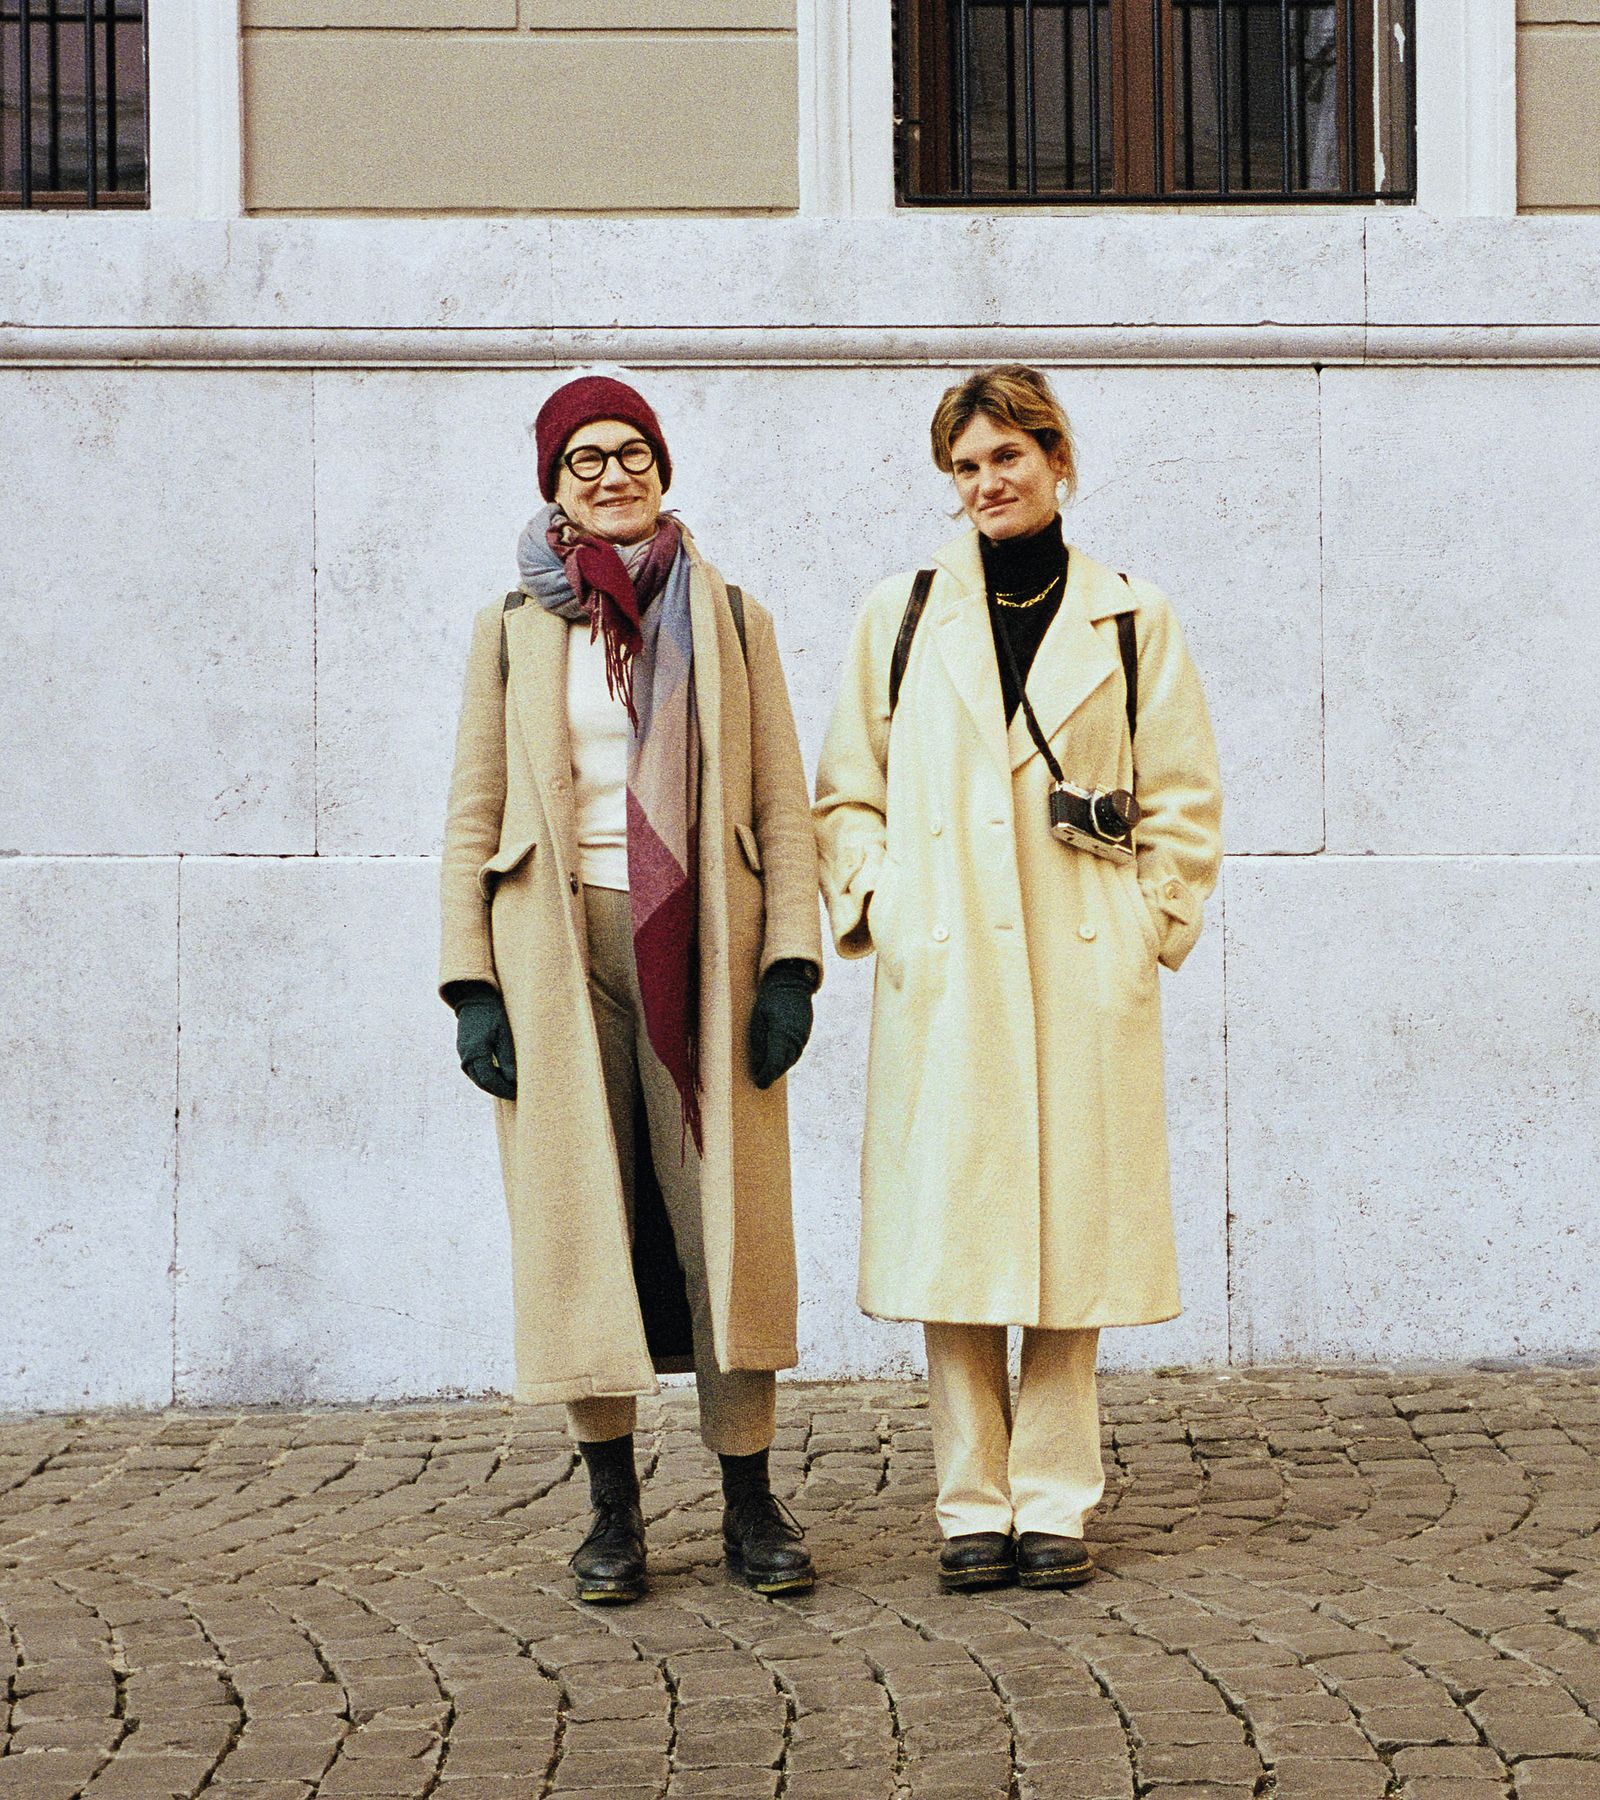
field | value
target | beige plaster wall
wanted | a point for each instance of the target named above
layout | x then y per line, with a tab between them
489	106
1558	105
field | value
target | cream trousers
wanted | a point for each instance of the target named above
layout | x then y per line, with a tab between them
1032	1467
738	1408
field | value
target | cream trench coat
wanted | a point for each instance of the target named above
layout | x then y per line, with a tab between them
513	916
1015	1165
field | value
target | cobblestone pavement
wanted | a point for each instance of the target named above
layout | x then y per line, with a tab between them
1335	1586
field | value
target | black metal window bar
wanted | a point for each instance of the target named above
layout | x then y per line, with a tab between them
1182	101
73	103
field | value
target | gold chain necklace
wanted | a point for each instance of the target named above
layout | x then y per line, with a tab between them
1011	599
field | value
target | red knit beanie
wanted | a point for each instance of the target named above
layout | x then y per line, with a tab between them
580	403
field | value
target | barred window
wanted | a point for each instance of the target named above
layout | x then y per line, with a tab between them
1155	100
73	103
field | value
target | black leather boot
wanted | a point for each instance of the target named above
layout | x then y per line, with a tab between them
609	1564
977	1559
761	1538
1047	1561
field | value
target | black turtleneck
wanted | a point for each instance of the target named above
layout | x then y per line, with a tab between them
1019	568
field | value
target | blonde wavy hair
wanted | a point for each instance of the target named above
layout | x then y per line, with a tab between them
1013	395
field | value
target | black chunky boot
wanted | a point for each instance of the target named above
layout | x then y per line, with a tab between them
761	1538
1046	1561
609	1564
977	1559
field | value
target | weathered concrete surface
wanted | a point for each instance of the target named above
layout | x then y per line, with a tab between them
341	1228
88	1096
600	273
154	591
919	270
1461	626
423	482
1312	1586
1481	272
1412	1056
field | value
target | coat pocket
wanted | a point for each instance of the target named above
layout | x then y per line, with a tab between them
1176	912
1128	898
881	923
507	859
1147	923
749	848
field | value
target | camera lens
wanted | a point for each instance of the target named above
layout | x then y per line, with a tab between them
1115	814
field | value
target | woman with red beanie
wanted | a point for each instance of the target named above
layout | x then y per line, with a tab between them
630	944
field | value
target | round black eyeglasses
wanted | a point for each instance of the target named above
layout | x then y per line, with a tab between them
588	462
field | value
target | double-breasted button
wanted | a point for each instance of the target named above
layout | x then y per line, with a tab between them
559	783
1087	932
1173	890
940	934
937	827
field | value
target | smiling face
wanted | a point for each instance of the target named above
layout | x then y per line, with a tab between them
615	505
1005	479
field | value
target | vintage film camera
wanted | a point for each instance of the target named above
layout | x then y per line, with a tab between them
1094	819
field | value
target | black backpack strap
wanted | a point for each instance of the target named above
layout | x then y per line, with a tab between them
512	601
908	630
736	607
1129	646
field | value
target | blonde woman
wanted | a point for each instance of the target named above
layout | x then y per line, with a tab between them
1004	719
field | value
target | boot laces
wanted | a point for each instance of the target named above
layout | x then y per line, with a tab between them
763	1511
611	1517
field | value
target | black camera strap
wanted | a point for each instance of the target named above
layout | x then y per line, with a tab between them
1127	644
1003	638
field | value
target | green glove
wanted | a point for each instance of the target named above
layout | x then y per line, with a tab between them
780	1021
483	1042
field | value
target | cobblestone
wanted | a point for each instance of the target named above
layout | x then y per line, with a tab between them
1313	1586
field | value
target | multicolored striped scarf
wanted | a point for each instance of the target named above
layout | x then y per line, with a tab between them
644	620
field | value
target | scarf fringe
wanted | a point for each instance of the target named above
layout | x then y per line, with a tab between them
693	1125
619	663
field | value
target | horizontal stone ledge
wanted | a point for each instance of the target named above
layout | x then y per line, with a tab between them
409	857
799	347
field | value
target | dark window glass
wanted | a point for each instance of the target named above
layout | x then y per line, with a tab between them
1183	100
73	103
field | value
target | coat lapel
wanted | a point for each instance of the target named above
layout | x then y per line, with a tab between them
536	652
1074	658
960	623
703	611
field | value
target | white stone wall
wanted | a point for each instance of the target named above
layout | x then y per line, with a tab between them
258	477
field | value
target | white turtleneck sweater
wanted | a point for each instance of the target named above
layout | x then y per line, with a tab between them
600	732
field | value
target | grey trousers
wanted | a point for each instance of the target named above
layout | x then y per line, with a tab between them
738	1408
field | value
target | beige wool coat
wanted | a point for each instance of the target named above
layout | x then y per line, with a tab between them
513	916
1014	1169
